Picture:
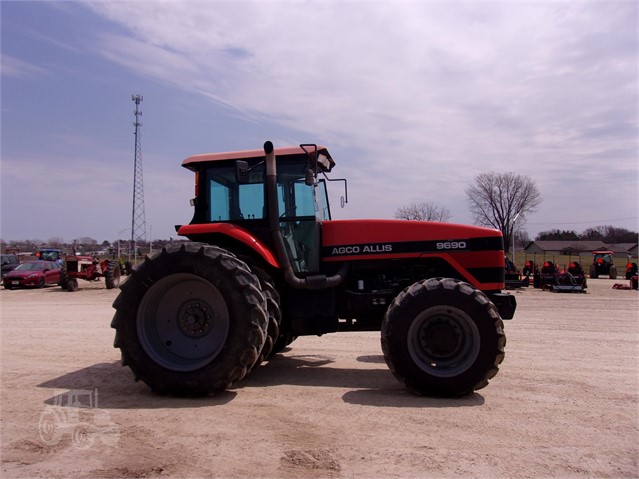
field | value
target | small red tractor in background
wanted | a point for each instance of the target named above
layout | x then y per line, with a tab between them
88	268
602	264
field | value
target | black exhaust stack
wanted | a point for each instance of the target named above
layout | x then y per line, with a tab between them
309	282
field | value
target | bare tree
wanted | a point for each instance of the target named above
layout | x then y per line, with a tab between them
498	199
522	238
423	211
609	234
55	242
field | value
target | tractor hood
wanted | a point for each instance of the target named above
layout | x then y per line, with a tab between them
365	239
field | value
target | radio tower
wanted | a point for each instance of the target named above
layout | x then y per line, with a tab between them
138	223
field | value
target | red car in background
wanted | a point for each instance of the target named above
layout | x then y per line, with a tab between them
33	273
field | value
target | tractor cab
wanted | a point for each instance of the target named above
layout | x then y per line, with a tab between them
232	189
602	257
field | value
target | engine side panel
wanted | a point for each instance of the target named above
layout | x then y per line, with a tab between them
476	254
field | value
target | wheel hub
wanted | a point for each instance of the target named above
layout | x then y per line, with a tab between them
443	341
195	318
440	339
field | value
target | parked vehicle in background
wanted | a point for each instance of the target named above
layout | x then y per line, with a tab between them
33	273
49	254
9	263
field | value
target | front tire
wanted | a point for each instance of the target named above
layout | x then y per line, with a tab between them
64	277
190	321
443	337
72	285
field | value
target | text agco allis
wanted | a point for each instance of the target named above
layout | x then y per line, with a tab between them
388	248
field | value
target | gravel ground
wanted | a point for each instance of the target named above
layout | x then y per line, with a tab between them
564	404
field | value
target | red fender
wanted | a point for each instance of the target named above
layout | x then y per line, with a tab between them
234	231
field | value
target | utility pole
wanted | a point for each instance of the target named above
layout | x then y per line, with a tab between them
513	234
138	222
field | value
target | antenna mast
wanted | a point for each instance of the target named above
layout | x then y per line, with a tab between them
138	222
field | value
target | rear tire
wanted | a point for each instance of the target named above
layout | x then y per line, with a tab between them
190	321
72	284
443	337
282	342
274	313
112	275
613	272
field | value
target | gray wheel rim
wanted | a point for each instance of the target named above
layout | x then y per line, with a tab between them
443	341
183	322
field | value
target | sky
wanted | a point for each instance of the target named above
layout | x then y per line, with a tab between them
412	99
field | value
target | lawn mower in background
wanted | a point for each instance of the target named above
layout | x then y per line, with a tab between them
573	280
631	270
548	275
631	274
514	278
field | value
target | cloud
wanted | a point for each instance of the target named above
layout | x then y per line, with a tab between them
17	68
419	97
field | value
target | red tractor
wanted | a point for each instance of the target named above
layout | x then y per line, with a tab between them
88	268
603	264
266	264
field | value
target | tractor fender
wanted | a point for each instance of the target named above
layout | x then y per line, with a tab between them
234	231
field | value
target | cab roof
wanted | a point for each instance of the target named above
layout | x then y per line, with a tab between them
193	160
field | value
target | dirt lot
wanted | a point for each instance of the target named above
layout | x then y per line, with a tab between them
565	403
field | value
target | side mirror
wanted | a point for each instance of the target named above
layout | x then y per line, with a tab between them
241	172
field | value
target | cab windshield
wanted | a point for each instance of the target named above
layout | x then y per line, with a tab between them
300	206
230	201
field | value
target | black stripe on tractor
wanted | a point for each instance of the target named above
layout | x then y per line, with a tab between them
491	243
494	243
489	275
